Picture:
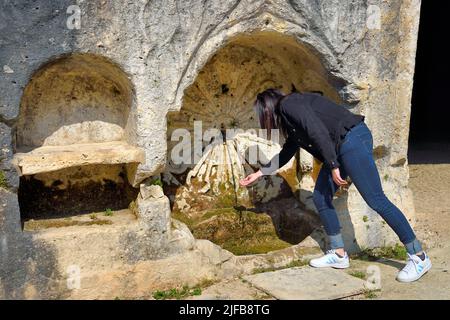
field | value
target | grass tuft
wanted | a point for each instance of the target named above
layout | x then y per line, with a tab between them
370	294
397	252
358	274
156	182
292	264
177	293
183	292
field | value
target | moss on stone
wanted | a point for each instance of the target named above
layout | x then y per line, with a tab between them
34	225
239	232
227	196
188	221
156	182
3	182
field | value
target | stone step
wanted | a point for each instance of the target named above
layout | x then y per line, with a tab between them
307	283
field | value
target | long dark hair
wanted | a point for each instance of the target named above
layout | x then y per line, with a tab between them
267	107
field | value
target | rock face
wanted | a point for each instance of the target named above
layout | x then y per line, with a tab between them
71	73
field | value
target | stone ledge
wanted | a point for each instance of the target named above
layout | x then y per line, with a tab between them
52	158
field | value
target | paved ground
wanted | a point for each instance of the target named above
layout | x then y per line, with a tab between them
305	283
434	285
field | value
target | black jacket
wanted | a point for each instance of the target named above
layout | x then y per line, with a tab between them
315	124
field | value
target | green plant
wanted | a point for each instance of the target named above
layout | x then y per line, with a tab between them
292	264
370	294
108	212
156	182
177	293
35	225
297	263
3	182
93	216
159	295
386	177
365	255
196	291
397	252
358	274
365	218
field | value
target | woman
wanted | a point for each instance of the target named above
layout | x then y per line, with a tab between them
343	142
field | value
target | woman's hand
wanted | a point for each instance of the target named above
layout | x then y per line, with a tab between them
250	178
337	177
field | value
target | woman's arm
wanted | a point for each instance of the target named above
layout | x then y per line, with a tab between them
287	152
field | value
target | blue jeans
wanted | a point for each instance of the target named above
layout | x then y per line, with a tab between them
356	159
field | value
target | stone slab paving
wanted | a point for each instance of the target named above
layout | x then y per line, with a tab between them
306	283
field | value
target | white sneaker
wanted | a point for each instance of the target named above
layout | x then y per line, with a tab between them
331	259
414	269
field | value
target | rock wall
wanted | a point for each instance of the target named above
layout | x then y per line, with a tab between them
364	50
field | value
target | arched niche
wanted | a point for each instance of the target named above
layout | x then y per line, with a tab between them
71	137
225	88
222	95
